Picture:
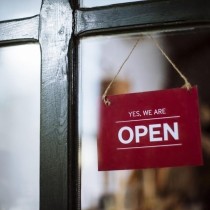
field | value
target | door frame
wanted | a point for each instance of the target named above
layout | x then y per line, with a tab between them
58	30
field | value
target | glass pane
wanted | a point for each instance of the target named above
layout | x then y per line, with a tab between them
147	69
95	3
19	127
12	9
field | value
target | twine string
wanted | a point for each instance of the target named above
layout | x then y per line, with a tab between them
186	85
104	96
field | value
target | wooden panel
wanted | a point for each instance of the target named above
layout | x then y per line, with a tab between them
55	31
142	15
19	30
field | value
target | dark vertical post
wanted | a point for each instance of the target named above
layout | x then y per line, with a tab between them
74	140
54	36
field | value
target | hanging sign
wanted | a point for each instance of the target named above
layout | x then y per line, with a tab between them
149	130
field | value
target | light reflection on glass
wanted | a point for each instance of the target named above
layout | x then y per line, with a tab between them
12	9
94	3
19	127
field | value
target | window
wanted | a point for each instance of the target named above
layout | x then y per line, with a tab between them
147	69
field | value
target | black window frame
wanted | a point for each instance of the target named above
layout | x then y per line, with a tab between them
58	29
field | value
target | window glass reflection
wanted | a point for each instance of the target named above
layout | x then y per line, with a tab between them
147	69
94	3
19	127
12	9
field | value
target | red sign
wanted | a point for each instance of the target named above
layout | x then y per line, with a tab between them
149	130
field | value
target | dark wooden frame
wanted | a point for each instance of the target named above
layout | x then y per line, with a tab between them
58	29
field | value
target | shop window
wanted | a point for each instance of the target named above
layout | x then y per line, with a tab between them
147	69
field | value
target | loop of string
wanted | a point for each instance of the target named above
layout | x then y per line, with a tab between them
186	85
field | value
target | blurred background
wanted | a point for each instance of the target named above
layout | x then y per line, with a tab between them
185	188
180	188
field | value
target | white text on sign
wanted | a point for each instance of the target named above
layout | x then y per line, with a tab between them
147	112
126	134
